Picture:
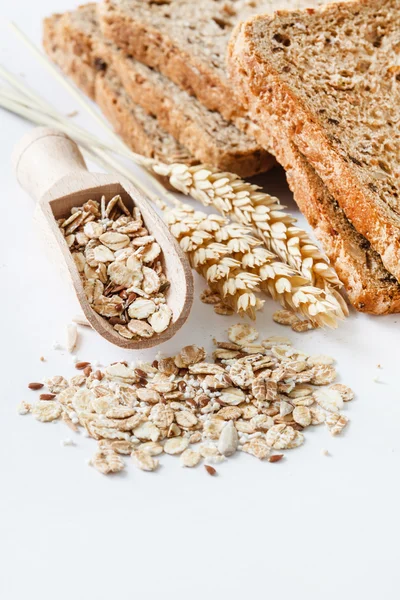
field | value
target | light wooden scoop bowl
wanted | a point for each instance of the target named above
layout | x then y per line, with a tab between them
50	167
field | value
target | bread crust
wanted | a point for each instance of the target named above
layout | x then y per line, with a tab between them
188	124
207	136
140	131
270	100
148	45
369	286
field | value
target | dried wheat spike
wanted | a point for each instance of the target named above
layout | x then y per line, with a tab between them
292	290
199	235
245	203
236	265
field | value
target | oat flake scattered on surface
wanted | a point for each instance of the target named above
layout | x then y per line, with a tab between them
253	397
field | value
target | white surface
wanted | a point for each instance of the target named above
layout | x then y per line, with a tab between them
311	527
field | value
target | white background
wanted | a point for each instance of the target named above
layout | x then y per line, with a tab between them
310	527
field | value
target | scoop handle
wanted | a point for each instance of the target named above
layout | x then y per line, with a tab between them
43	157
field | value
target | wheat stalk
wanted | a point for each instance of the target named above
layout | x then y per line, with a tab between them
210	245
236	272
236	265
245	203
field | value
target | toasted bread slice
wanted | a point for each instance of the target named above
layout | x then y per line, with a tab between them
329	79
205	134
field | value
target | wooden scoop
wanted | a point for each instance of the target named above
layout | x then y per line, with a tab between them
50	167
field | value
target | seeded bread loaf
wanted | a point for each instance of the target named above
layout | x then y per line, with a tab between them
329	79
138	129
187	41
205	134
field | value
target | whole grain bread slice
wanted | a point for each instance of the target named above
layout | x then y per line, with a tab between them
139	130
370	287
187	42
205	134
329	79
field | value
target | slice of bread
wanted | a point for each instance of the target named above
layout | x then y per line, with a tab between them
205	134
139	130
187	41
369	286
329	79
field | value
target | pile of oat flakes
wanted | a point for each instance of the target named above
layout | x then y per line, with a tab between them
254	396
120	266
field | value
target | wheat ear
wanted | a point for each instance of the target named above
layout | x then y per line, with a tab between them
236	265
243	202
210	244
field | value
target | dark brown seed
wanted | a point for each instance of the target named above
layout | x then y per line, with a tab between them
140	373
296	426
164	286
98	375
154	364
47	396
100	64
142	381
182	386
275	458
117	289
87	370
116	321
123	294
81	365
191	402
35	386
210	470
203	400
131	298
